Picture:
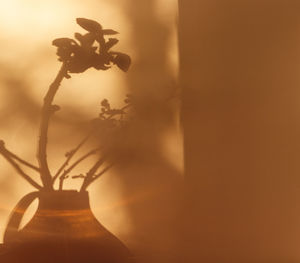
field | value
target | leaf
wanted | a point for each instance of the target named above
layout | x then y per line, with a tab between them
2	144
109	32
101	66
105	103
67	76
89	25
85	40
58	42
110	43
78	36
122	60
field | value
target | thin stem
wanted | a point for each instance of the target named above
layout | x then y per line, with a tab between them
67	171
91	173
72	153
95	177
19	170
122	109
47	111
17	158
61	182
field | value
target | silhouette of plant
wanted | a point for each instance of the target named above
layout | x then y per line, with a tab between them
91	50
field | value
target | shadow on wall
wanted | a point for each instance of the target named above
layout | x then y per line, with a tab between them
155	184
150	184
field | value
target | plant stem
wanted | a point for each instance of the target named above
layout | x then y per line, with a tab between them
46	114
72	153
17	158
61	182
91	173
19	170
86	184
66	172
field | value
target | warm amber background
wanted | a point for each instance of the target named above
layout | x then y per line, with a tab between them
137	201
241	107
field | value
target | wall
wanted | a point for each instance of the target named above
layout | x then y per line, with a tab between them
240	65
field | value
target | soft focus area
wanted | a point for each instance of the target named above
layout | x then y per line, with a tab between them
137	200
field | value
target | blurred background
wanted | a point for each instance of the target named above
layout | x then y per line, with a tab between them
240	82
140	200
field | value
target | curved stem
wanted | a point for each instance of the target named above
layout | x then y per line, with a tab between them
95	177
73	152
91	173
66	172
47	111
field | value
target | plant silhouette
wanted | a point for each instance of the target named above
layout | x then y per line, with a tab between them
64	229
91	50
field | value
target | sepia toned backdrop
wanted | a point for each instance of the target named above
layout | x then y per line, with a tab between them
241	96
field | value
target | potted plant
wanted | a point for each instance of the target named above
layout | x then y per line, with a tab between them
64	228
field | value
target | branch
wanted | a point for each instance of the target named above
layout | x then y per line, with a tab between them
91	173
47	111
61	182
122	109
18	169
12	155
95	177
76	163
72	153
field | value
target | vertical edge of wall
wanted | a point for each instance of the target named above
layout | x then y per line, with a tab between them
240	64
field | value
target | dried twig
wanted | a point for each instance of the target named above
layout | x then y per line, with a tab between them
69	157
47	110
17	158
67	171
91	173
61	182
19	170
95	177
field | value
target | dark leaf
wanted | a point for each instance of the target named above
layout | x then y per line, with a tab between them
89	25
63	42
105	103
122	60
109	32
78	36
67	76
110	43
101	66
2	143
85	40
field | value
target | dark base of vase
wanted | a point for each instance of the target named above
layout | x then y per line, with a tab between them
71	252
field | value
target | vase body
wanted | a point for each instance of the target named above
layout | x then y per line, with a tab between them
63	230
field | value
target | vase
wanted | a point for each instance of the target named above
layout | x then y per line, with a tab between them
63	230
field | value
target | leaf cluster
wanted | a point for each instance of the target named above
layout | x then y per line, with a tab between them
90	50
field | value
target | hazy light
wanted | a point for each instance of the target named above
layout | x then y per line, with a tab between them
27	28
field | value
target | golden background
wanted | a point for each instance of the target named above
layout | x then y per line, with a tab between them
129	202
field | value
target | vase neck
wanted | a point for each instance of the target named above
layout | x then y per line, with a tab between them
63	200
